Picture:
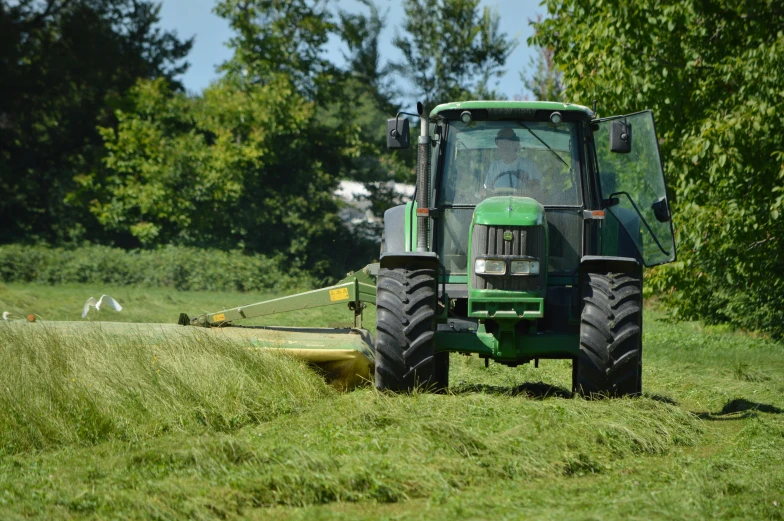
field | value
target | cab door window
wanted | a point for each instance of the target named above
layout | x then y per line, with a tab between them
633	188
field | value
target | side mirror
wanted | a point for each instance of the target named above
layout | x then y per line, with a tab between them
660	210
398	133
620	137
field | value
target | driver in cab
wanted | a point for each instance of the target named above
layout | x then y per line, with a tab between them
510	171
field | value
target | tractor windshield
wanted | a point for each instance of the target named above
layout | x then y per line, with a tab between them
522	158
488	158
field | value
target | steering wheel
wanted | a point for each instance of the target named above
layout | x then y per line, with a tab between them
524	181
512	174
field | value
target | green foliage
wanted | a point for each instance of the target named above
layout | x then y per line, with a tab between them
712	74
243	166
279	38
251	163
64	66
542	78
451	50
178	168
106	148
179	268
367	99
360	32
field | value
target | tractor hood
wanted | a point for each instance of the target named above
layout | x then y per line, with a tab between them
509	211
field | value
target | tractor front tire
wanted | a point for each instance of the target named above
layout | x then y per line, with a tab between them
405	328
610	359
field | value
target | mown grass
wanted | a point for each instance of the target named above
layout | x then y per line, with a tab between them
83	390
89	428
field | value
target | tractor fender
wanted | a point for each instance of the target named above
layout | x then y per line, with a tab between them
602	264
393	260
394	239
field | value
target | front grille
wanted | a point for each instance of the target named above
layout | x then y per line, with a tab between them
526	240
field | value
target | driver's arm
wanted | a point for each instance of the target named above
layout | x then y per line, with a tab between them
487	182
489	179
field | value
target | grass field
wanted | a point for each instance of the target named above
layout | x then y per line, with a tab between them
96	428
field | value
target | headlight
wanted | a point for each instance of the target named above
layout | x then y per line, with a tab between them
490	267
525	267
521	267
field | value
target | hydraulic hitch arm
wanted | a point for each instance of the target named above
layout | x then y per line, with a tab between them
355	290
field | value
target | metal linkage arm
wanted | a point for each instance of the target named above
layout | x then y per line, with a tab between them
354	290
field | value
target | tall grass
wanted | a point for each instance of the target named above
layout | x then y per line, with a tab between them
85	389
302	443
99	427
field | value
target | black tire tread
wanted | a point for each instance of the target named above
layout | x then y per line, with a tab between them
610	359
405	328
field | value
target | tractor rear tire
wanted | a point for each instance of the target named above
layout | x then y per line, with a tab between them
405	328
610	359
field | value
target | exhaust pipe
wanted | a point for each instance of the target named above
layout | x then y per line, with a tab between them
423	180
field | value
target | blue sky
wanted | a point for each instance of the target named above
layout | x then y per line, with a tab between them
195	18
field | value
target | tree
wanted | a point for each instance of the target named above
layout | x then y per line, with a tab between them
277	37
451	50
360	33
250	164
236	167
63	65
368	98
542	78
712	73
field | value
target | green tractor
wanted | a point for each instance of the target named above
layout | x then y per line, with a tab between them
526	239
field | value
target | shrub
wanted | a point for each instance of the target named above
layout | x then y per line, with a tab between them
182	268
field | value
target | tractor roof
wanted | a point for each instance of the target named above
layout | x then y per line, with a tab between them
507	105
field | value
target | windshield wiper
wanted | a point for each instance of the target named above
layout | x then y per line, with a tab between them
542	142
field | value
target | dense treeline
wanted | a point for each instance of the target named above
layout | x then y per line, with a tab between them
100	144
65	66
712	72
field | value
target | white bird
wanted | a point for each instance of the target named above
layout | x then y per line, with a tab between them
97	305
